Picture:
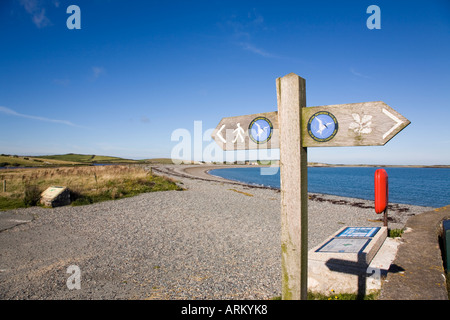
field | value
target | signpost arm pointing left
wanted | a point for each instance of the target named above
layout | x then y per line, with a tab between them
291	98
219	135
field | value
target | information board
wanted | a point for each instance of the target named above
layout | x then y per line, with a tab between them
345	245
358	232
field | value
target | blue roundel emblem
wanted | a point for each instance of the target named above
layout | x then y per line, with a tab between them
260	130
322	126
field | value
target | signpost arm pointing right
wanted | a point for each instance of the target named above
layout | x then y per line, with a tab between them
291	98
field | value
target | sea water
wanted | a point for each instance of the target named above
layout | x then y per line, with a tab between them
416	186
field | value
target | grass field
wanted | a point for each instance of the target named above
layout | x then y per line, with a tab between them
71	159
23	161
88	158
157	161
88	184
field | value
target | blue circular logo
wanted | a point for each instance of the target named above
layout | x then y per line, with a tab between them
260	130
322	126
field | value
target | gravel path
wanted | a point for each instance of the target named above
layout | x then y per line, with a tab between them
215	240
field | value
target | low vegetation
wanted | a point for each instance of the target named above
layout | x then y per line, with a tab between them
87	158
447	280
22	161
338	296
394	233
88	184
72	159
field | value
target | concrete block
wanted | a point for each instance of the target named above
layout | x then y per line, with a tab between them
55	196
342	263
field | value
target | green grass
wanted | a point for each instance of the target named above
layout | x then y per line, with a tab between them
394	233
157	161
88	184
447	277
126	188
71	157
338	296
108	159
7	203
24	161
342	296
88	158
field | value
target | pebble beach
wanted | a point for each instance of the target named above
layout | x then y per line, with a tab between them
216	239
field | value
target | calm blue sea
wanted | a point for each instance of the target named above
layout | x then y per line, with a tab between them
416	186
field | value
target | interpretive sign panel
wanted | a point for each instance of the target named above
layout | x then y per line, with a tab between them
52	192
55	196
358	232
345	245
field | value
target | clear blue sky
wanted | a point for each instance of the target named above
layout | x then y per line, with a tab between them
138	70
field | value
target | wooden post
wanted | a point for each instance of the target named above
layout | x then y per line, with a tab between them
291	98
4	185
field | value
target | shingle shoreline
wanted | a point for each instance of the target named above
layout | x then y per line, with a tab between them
215	240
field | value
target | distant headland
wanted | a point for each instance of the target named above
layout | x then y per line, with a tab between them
74	159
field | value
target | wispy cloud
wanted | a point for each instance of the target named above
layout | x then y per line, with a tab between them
17	114
144	119
98	71
249	47
243	30
245	27
62	82
354	72
37	12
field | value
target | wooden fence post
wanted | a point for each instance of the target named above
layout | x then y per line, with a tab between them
291	98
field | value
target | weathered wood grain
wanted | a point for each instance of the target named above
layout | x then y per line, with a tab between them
291	98
224	132
359	124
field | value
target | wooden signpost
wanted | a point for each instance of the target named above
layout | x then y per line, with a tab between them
342	125
292	129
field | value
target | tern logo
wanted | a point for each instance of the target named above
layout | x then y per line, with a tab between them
260	130
322	126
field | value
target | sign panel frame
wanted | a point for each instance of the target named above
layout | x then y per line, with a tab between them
342	125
